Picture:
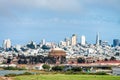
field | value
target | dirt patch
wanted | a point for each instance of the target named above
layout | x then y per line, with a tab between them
5	78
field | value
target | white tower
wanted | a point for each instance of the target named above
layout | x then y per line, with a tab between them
83	40
74	40
7	44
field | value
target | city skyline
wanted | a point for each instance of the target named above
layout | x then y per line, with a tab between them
68	41
53	20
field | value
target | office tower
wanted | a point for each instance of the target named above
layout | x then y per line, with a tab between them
74	40
97	39
43	41
116	42
100	42
7	44
67	40
83	40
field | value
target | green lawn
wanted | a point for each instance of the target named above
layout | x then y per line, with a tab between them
67	77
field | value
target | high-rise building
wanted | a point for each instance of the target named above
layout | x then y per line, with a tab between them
116	42
100	42
7	44
74	40
97	39
67	40
43	41
83	42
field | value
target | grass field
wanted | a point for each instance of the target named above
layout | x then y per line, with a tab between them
67	77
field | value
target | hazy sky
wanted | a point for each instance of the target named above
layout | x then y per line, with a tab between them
53	20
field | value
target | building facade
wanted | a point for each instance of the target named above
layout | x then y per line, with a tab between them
7	44
116	42
83	41
74	40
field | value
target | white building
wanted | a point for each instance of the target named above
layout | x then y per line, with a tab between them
83	40
38	67
74	40
116	70
67	40
6	44
18	47
63	43
43	41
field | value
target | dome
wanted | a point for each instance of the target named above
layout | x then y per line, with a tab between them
58	49
57	52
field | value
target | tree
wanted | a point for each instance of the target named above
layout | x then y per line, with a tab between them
112	58
106	59
9	61
45	47
46	66
81	60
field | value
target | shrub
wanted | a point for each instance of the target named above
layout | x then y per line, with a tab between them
10	75
101	73
58	68
13	68
13	75
76	69
46	67
26	73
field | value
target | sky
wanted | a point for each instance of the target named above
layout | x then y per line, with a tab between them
53	20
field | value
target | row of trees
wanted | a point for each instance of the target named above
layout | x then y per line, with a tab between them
72	70
82	60
62	68
35	59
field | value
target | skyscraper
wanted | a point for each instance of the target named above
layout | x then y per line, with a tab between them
83	40
97	39
116	42
7	44
74	40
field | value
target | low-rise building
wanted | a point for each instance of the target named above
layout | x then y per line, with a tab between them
116	70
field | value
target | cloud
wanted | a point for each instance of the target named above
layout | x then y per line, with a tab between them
48	4
7	6
59	5
115	4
